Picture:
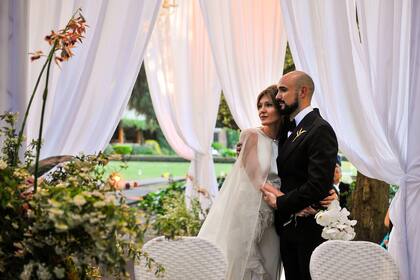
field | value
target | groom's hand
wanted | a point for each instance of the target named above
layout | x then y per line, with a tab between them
238	148
327	201
270	194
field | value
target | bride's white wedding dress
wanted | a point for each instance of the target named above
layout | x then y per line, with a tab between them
240	222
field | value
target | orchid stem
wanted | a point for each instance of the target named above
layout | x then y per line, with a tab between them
41	125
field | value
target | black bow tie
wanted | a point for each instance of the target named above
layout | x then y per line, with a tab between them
291	125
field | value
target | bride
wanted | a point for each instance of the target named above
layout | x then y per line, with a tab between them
240	222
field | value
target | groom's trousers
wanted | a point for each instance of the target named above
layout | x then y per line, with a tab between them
298	239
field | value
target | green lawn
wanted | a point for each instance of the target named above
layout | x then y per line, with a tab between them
137	170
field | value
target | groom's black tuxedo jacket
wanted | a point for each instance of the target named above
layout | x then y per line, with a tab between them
306	163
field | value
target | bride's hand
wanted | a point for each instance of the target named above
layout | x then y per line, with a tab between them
269	188
270	194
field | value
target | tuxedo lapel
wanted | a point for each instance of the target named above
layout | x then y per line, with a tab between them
297	136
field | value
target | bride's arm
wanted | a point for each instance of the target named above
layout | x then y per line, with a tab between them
249	159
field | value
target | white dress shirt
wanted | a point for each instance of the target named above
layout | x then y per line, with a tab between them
299	117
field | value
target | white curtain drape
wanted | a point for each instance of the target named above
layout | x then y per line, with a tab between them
185	90
88	95
364	92
13	54
248	43
405	241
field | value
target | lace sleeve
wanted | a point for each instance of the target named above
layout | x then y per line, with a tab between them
251	161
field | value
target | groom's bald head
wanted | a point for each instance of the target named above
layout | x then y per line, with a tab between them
301	79
295	90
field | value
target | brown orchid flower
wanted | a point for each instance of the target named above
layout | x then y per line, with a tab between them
65	39
36	55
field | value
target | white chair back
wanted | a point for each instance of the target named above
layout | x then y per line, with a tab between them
186	258
348	260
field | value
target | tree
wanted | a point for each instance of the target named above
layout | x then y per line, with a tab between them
141	102
369	203
224	117
289	64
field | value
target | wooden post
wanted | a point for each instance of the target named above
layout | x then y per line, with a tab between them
139	136
120	134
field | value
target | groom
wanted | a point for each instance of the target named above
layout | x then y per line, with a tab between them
306	162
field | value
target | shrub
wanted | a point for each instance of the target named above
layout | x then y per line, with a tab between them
154	145
74	224
122	149
168	152
152	202
177	219
225	152
217	146
232	137
141	150
109	150
168	215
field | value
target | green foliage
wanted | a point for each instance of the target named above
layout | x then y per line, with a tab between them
289	64
232	137
139	124
177	219
109	150
141	102
392	191
142	150
72	225
217	146
224	116
154	145
168	215
220	180
168	151
166	148
122	149
225	152
152	203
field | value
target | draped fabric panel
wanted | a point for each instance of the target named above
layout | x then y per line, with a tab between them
361	71
88	95
320	39
248	43
185	91
405	241
13	54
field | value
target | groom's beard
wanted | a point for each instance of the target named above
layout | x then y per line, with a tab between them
287	110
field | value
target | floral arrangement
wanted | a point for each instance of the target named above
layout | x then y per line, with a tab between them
74	224
70	224
61	42
336	223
